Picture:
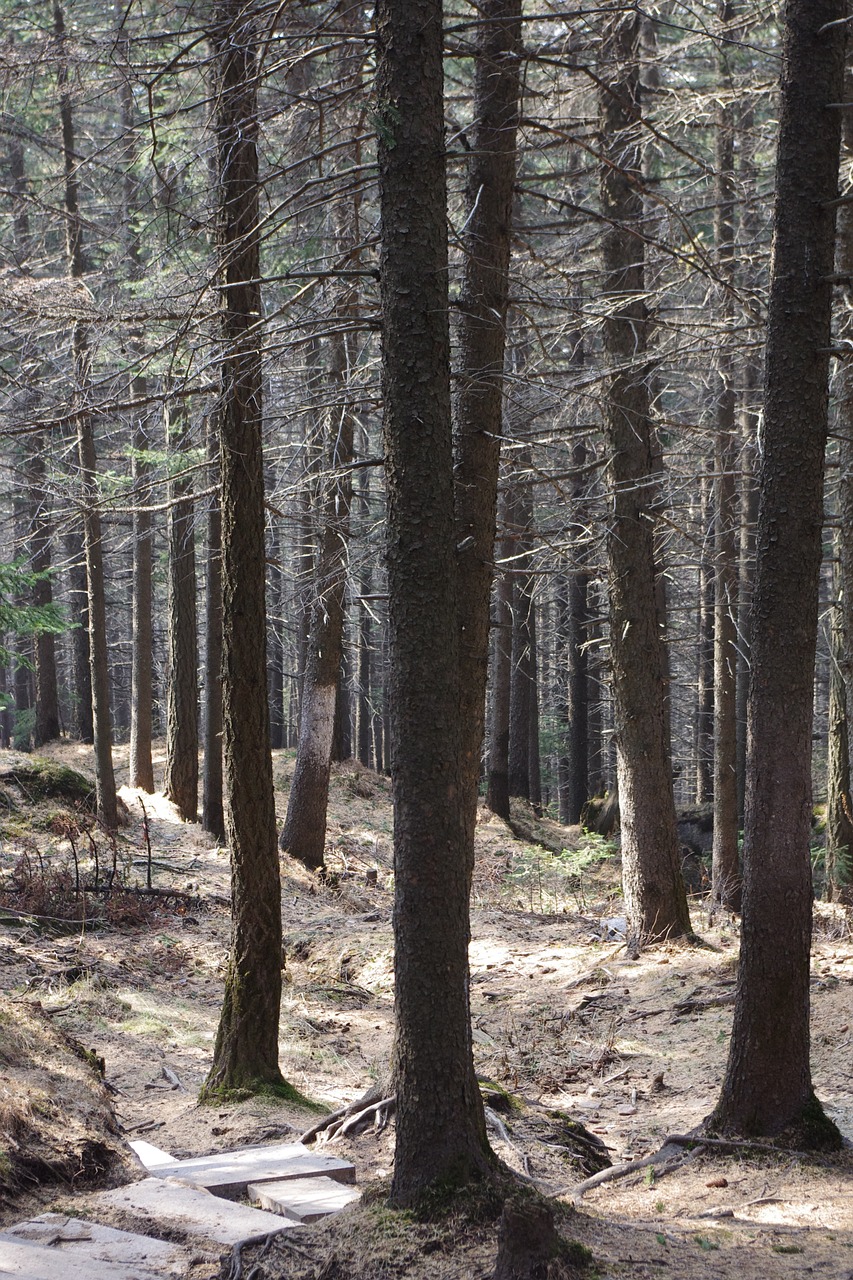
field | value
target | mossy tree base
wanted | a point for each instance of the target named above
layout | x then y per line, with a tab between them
811	1130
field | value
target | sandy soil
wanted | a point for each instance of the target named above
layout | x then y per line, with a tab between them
563	1021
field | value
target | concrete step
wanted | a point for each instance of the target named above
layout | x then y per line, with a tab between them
303	1199
55	1247
228	1173
174	1205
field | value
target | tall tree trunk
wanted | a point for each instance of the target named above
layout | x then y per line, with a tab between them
181	777
482	340
768	1088
839	807
246	1051
523	671
725	876
497	793
105	788
141	674
46	726
705	652
212	807
440	1124
655	897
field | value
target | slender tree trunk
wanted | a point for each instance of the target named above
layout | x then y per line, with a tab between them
768	1088
212	807
839	807
725	886
482	341
246	1050
141	674
705	654
655	897
497	794
440	1124
105	788
181	778
522	680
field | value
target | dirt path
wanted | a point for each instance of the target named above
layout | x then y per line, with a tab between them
563	1021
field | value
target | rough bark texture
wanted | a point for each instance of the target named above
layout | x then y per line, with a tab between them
482	340
440	1124
725	885
768	1086
181	778
246	1050
655	898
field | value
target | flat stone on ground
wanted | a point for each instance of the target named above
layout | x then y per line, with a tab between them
303	1199
190	1209
55	1247
228	1173
149	1155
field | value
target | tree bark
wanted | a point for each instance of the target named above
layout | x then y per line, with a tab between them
181	777
246	1050
482	341
655	899
725	875
497	793
440	1123
705	652
768	1087
212	807
105	788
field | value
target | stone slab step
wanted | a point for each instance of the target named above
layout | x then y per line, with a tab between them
55	1247
150	1155
228	1173
303	1199
177	1206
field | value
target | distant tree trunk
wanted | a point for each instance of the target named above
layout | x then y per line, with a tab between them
440	1124
725	886
141	675
105	788
365	654
534	766
212	807
181	777
574	788
705	653
245	1055
497	794
522	678
767	1088
482	340
46	726
655	898
839	807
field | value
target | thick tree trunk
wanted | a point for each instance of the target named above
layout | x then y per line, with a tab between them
246	1051
655	898
181	777
768	1087
440	1124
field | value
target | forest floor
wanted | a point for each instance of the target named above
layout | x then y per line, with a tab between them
563	1021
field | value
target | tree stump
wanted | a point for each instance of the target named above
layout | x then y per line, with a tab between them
528	1244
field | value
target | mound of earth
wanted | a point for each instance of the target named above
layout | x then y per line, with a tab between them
56	1122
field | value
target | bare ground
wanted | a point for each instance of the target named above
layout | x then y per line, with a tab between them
564	1022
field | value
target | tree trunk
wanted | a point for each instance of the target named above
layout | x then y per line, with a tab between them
655	899
181	777
246	1051
839	808
46	726
105	788
482	340
768	1088
441	1135
497	793
212	807
522	677
705	652
725	876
